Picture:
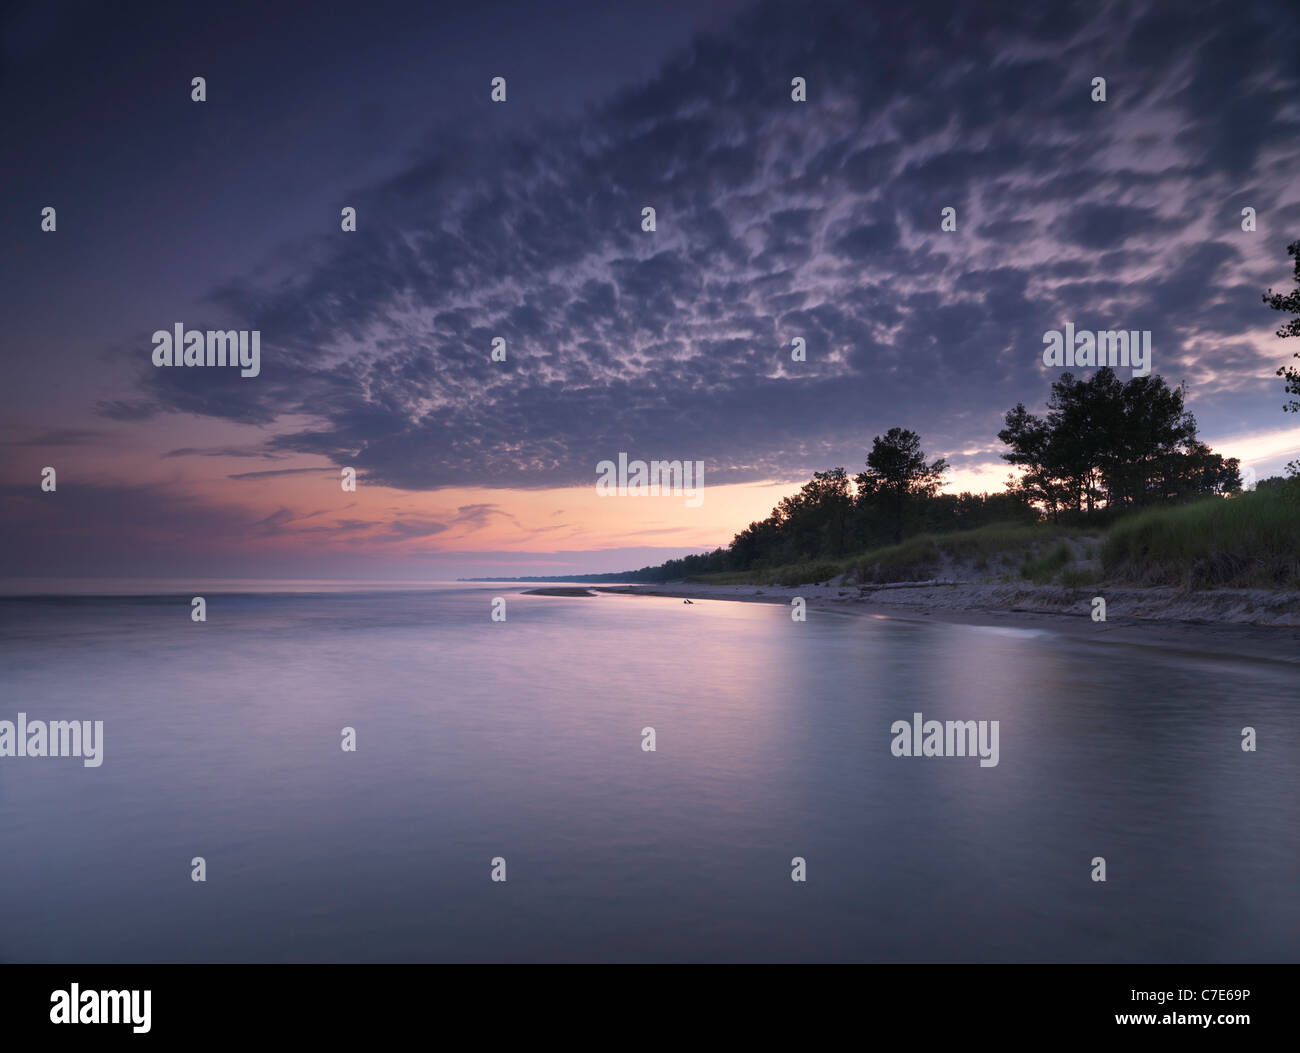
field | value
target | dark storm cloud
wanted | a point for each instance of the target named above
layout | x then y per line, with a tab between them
778	220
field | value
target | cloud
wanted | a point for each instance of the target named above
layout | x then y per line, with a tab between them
63	437
216	451
405	529
272	473
774	220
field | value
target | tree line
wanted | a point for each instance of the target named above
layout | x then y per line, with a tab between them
1103	447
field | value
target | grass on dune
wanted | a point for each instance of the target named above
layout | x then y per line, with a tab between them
1251	540
1043	569
915	559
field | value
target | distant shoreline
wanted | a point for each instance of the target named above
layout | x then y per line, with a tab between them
1212	623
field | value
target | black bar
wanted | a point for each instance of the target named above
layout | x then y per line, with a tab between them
487	1003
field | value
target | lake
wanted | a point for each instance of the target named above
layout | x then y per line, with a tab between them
522	741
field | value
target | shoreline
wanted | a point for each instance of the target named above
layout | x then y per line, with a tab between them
1212	625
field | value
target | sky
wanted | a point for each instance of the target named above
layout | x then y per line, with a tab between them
775	219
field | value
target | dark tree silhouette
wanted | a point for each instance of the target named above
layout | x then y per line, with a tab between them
1121	444
815	521
897	478
1289	302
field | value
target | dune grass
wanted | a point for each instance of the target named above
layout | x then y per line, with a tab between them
1248	541
927	555
915	559
1079	577
1043	569
788	574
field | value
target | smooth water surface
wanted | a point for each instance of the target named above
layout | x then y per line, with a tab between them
523	740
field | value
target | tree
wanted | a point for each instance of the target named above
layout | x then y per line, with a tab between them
1119	443
1290	302
1082	418
1150	440
1201	471
835	508
897	477
814	522
1033	449
756	544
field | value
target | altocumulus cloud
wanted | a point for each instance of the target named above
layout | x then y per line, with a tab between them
779	220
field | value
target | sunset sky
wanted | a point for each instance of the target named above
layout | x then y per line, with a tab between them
775	219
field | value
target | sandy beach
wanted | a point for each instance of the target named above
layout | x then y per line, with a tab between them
1241	623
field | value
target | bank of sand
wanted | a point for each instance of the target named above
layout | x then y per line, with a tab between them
1240	623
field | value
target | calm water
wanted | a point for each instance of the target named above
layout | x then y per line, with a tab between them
523	740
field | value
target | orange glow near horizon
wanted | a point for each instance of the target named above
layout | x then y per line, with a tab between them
295	503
